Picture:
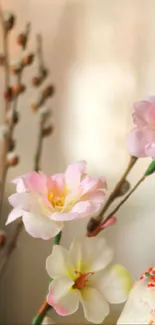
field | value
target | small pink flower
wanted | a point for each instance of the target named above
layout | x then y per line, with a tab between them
44	202
141	140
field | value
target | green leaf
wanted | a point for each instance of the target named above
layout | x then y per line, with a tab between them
151	169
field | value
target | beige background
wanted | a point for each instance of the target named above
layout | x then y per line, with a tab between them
101	56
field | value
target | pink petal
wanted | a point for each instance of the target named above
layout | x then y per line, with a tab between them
64	216
21	200
150	150
137	141
39	226
13	215
60	181
141	109
96	197
74	174
37	182
86	209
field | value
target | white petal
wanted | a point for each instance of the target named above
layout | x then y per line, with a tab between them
58	263
90	254
13	215
62	297
39	226
115	283
138	309
95	306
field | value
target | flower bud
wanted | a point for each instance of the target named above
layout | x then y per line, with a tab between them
16	66
27	59
47	131
8	94
48	91
92	225
12	158
21	39
11	114
2	238
36	81
44	111
124	188
18	89
9	21
2	59
34	107
4	131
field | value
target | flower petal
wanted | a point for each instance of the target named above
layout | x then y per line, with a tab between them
13	215
74	173
115	284
39	226
58	263
62	297
64	216
95	306
137	141
90	254
150	150
21	187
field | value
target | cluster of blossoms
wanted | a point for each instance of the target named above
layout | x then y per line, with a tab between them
83	274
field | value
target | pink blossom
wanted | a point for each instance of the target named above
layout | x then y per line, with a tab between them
45	202
141	140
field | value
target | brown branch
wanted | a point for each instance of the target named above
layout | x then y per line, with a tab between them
7	141
98	220
101	226
11	243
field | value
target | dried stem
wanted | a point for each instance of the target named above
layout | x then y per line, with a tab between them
101	226
11	244
113	195
6	142
40	53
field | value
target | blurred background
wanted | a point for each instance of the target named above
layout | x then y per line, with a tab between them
101	55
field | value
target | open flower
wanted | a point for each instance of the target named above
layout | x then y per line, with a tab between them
44	202
141	140
82	275
140	306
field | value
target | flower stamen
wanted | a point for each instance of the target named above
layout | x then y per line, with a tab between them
82	280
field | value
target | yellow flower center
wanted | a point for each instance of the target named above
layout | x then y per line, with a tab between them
56	201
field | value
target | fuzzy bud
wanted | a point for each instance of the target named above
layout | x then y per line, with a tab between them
124	188
44	111
92	225
27	59
2	59
16	66
11	114
34	107
12	158
48	91
4	131
18	89
8	94
21	39
2	238
36	81
46	131
9	21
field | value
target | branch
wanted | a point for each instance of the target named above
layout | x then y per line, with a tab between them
94	223
101	226
6	143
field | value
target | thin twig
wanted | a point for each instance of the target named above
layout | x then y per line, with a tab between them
98	220
11	244
101	226
113	195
